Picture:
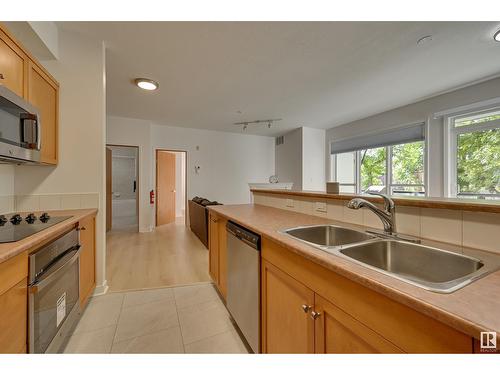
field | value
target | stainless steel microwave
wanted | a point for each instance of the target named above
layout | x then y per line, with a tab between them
20	129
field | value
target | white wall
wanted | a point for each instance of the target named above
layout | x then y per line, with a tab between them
180	175
301	159
227	161
6	188
289	159
80	71
313	159
419	112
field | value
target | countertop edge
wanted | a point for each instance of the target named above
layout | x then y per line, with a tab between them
446	317
32	242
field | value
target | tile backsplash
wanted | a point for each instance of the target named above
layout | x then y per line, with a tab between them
478	230
42	202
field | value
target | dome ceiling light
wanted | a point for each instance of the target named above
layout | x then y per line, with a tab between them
497	36
146	84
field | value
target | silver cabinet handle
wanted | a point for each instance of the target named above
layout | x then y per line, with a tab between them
315	315
306	308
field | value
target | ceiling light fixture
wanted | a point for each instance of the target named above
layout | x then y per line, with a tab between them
497	36
269	122
146	84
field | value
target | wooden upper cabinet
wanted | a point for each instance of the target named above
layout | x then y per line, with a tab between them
337	332
287	326
43	93
13	66
87	259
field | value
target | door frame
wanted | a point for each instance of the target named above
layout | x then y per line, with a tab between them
138	184
157	150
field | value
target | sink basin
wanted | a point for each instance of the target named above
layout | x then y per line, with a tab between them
328	235
427	267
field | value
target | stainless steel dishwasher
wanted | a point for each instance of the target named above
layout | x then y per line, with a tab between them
243	281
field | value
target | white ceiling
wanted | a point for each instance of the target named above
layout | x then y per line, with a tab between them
317	74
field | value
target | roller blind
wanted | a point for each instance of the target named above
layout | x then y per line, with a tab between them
407	134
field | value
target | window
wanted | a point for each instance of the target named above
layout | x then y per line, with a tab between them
474	165
396	169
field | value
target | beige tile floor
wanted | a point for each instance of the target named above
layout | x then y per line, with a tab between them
188	319
171	255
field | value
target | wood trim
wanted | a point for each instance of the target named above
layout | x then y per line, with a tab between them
443	203
406	328
12	271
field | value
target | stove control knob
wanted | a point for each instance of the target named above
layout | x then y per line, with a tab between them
31	218
45	217
16	219
3	220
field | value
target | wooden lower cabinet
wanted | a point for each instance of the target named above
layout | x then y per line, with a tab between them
347	316
338	332
87	259
286	324
14	318
213	248
217	252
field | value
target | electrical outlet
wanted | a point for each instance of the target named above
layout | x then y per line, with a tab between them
289	203
320	206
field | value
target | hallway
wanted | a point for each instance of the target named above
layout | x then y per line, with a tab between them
169	256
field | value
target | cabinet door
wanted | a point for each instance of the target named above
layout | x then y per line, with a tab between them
14	318
287	326
337	332
87	259
213	248
13	64
43	93
222	240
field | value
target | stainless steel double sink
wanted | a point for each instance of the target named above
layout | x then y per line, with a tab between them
430	268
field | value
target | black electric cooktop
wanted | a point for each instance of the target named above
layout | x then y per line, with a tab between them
14	227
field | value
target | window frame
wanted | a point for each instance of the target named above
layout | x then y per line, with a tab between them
451	135
388	169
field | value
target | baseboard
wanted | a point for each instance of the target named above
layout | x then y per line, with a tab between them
145	230
101	289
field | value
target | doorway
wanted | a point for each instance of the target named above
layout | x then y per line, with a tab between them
171	186
122	187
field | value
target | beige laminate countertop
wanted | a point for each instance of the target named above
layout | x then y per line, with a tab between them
11	249
472	309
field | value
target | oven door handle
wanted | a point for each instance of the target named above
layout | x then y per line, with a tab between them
61	265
